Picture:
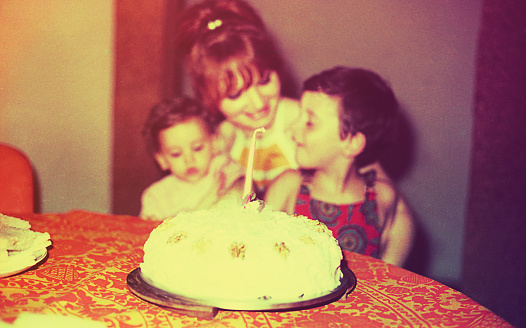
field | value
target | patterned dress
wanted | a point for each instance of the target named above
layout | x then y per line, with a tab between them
355	226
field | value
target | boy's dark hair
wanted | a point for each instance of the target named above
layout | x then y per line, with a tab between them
368	105
171	112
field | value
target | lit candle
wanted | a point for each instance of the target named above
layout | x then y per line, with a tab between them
250	165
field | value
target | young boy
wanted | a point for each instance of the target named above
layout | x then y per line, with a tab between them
346	118
180	134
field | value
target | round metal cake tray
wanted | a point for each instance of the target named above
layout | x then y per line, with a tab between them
141	288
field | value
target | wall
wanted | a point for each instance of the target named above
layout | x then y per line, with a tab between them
56	88
426	49
56	96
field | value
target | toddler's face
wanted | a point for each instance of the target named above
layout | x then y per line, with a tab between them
316	132
255	106
186	150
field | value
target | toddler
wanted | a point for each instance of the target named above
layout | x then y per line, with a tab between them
180	134
347	117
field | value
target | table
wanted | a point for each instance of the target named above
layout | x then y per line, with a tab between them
92	254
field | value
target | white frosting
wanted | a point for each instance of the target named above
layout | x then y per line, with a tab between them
239	253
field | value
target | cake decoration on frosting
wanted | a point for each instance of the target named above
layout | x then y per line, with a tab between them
237	250
282	249
176	237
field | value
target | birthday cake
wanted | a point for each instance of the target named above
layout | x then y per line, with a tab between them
242	253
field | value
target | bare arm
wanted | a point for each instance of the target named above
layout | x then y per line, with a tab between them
281	194
236	189
398	234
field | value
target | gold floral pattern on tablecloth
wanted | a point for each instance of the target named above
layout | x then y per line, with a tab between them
92	254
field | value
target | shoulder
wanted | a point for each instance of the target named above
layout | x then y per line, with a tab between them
386	193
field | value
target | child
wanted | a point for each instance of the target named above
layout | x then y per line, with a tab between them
181	134
346	118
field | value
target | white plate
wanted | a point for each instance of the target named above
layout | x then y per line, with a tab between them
21	262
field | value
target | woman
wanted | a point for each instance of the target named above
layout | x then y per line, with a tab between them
235	69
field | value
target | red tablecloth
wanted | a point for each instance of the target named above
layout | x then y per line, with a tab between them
92	254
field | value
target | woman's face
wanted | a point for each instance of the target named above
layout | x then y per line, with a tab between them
253	107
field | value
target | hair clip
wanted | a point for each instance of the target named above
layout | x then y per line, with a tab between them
212	25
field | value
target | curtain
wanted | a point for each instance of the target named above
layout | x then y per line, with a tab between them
494	268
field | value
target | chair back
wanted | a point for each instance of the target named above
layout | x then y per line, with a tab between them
16	181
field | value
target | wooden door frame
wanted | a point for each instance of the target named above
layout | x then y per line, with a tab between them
145	71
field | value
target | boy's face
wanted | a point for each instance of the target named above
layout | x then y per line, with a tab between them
316	132
186	150
255	106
